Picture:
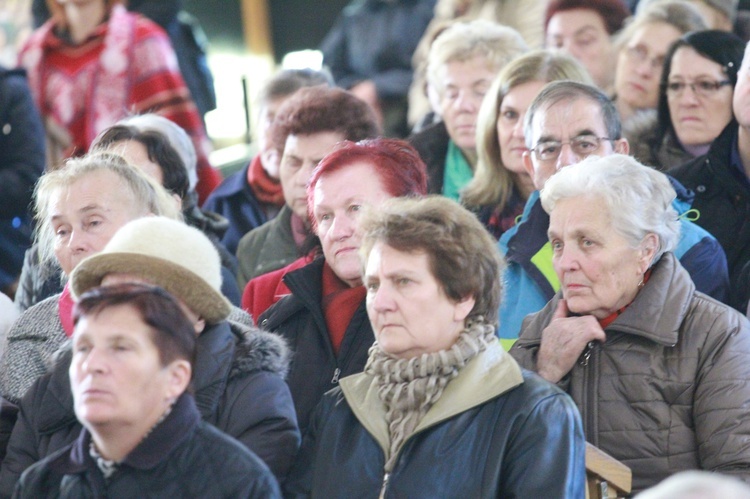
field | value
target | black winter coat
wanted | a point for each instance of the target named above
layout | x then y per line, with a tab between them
496	431
432	146
723	202
238	380
299	318
181	457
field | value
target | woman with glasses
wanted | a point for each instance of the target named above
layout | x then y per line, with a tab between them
641	47
501	185
695	99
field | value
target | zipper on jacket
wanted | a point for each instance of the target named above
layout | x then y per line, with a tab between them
586	355
385	484
336	374
589	391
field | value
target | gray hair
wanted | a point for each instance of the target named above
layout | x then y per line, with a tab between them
148	195
566	90
638	198
175	134
682	16
698	484
463	41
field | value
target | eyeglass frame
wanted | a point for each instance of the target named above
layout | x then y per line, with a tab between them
638	53
716	86
596	139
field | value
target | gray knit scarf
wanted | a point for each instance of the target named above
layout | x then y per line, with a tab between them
410	387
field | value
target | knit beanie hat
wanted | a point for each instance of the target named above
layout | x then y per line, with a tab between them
166	253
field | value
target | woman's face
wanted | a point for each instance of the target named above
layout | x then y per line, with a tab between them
116	375
408	309
510	125
599	271
464	84
639	65
698	119
302	153
583	34
338	199
85	215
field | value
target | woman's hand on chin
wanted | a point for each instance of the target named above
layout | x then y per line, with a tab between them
563	342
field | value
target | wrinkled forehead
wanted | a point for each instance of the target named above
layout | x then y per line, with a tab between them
566	118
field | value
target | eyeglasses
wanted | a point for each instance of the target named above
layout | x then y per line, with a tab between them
582	146
639	54
704	88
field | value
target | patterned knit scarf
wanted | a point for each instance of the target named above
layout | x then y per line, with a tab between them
410	387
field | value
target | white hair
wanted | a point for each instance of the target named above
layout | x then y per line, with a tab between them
638	198
695	484
176	136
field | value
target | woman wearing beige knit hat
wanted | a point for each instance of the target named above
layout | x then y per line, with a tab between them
238	373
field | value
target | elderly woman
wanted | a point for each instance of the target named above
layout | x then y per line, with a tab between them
501	184
585	29
238	374
462	62
440	410
92	63
306	128
642	46
133	351
695	100
78	210
323	317
658	370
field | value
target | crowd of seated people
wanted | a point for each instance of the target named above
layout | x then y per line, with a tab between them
558	255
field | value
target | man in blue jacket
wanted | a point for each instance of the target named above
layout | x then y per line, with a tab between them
565	123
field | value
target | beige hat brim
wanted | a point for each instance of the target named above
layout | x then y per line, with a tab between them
196	293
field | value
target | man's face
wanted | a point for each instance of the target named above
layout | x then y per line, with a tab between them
580	121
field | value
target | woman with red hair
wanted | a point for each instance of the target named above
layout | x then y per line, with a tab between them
92	64
323	316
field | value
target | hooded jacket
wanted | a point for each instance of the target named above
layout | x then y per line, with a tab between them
669	389
238	379
496	431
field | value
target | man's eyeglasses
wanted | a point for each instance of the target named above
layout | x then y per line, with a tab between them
704	88
582	146
639	54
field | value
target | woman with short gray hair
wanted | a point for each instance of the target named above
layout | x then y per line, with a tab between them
647	358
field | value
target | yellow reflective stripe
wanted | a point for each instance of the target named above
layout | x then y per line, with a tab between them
543	261
506	343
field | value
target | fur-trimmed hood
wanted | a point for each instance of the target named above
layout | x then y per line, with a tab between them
661	153
258	350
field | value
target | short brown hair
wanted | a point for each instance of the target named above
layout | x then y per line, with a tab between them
320	109
463	256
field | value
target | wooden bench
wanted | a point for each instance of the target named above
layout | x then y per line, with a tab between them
606	477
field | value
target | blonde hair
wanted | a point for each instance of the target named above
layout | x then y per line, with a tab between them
148	195
681	15
463	41
493	182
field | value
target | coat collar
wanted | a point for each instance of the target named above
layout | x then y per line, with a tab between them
488	375
152	450
655	314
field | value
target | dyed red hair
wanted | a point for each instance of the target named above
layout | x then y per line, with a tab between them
395	162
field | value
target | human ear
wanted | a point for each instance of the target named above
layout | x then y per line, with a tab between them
648	248
179	373
463	308
622	146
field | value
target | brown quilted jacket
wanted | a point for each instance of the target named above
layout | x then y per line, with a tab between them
670	388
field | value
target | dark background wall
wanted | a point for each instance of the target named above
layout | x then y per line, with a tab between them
295	24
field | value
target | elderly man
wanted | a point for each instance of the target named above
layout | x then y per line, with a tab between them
565	123
721	181
461	65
